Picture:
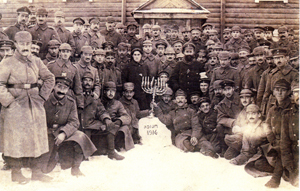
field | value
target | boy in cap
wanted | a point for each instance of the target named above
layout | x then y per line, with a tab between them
53	50
93	34
228	111
149	59
253	135
109	32
189	131
64	139
120	135
6	49
226	35
208	120
22	19
42	32
236	42
36	47
213	62
78	37
122	58
169	64
133	109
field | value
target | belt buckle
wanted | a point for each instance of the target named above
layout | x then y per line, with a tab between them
27	86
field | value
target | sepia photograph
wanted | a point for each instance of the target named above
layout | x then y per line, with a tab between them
149	95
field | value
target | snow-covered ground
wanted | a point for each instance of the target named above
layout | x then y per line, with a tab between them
148	168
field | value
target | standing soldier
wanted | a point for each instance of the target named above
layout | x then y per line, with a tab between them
131	36
23	121
226	35
284	42
99	64
186	33
259	34
269	33
236	42
32	16
93	35
42	32
22	19
36	47
109	32
53	49
78	37
122	58
249	38
196	39
147	32
3	35
6	49
174	35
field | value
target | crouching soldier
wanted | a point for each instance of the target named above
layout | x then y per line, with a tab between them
253	135
186	124
118	130
133	109
71	145
208	119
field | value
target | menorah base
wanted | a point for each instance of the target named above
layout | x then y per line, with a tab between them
151	115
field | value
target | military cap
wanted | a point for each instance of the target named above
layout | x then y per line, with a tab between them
245	49
110	19
258	28
250	55
169	50
122	45
185	29
246	92
180	92
282	83
95	20
63	80
147	26
266	43
53	43
282	29
120	25
178	41
132	24
212	54
163	72
206	25
161	42
279	52
59	13
180	55
268	54
294	58
295	85
156	27
197	93
204	78
107	44
65	46
23	36
269	28
229	83
94	45
110	85
252	108
168	91
236	28
23	9
248	31
188	45
195	28
209	42
41	11
79	20
88	75
128	86
37	42
218	84
213	31
258	50
167	28
6	43
223	55
99	51
175	27
226	30
147	42
87	49
204	100
218	46
136	49
110	53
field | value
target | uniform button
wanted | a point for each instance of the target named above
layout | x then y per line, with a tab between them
295	135
185	122
293	124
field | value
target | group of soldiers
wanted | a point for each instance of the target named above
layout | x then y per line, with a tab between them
65	94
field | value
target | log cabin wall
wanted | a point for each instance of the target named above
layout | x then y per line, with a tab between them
245	13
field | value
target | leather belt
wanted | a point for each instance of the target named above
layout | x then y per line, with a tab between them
22	86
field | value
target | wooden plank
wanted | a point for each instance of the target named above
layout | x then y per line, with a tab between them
262	21
124	7
262	10
222	19
265	16
253	5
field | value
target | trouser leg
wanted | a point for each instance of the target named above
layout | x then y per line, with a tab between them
274	182
111	147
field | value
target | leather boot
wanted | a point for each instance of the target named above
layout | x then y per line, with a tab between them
111	148
231	153
78	157
274	182
188	146
37	173
17	176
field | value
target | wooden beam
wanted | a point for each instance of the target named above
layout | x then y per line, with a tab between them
124	8
222	19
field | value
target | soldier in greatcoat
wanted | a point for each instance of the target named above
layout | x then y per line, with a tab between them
236	42
110	33
78	37
93	35
53	50
23	121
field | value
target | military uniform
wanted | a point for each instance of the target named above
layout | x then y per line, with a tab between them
229	73
253	76
12	30
65	35
49	58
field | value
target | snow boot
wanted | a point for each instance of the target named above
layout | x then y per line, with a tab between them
111	148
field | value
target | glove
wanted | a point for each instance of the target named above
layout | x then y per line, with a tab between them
109	124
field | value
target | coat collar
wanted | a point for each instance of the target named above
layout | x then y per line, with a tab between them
126	101
54	101
235	100
62	28
88	98
185	106
78	35
148	56
50	58
42	27
21	58
82	65
61	63
287	68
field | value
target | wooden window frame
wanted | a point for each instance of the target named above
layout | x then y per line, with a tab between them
284	1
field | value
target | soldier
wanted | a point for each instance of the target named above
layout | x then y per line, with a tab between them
204	85
294	61
196	40
149	59
93	34
217	95
186	74
99	64
206	27
209	44
86	27
156	33
213	35
147	32
36	47
178	46
122	59
133	109
32	16
71	145
22	103
131	36
64	34
53	50
228	111
186	33
259	34
109	32
249	38
195	100
84	65
202	57
6	49
170	63
213	62
243	62
168	32
42	32
79	38
22	19
226	35
120	28
118	129
160	48
189	131
236	42
269	33
174	35
284	42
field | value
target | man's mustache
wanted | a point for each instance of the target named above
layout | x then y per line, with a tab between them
60	93
25	50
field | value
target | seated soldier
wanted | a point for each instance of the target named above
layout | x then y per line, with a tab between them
228	110
253	135
120	118
71	145
234	141
186	124
195	98
208	119
133	109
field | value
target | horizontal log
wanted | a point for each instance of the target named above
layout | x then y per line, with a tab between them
251	26
262	5
262	21
262	16
263	10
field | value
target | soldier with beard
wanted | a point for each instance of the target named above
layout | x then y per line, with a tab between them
53	49
22	19
226	35
93	34
186	33
131	36
186	74
78	37
36	47
196	40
